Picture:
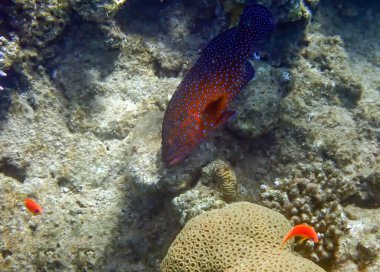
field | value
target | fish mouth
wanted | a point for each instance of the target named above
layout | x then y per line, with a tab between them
177	157
175	160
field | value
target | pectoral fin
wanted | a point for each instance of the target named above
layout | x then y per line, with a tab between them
303	239
224	118
215	114
249	72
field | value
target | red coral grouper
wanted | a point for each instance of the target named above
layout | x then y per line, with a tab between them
199	105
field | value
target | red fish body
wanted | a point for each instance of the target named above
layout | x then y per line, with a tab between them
199	105
304	231
33	206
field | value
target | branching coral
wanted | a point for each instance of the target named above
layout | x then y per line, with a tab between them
314	200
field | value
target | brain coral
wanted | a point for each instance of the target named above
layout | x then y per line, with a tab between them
239	237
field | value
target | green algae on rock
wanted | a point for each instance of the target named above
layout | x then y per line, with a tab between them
38	22
10	50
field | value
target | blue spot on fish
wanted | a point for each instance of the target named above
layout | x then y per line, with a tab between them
199	105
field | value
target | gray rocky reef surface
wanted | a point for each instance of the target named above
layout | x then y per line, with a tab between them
360	247
80	131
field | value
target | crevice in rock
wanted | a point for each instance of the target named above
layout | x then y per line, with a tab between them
11	170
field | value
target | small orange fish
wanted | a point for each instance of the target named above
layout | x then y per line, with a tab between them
304	231
32	206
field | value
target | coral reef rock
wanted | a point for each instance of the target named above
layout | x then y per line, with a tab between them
144	161
97	10
80	122
239	237
37	22
360	247
259	103
290	10
194	202
216	187
9	50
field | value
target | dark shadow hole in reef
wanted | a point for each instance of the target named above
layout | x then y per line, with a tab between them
141	17
285	43
12	171
145	225
5	253
147	17
80	51
5	104
162	72
70	184
372	201
54	265
181	26
8	24
14	82
349	15
82	58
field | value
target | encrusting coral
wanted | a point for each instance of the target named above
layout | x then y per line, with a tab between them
37	22
216	187
239	237
227	182
220	174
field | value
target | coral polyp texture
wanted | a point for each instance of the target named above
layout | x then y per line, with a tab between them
239	237
312	199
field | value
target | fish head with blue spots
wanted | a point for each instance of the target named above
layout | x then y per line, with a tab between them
200	103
